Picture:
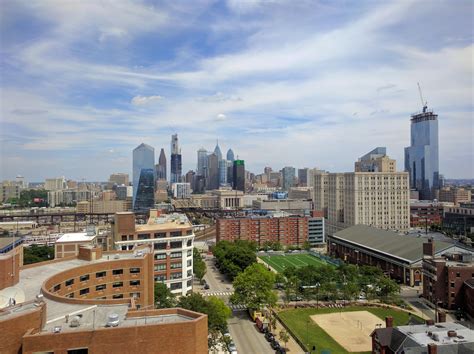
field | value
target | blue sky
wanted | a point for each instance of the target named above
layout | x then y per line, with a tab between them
301	83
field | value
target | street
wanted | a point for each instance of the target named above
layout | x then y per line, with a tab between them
245	334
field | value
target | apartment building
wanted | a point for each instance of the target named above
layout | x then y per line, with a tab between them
289	230
171	237
96	303
424	214
454	195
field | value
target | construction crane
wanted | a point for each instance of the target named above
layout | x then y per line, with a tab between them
424	103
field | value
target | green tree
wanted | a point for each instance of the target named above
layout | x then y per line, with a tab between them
284	336
306	245
254	287
164	298
216	310
199	266
35	254
386	287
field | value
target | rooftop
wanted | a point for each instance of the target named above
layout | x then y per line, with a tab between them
76	237
439	333
165	222
407	248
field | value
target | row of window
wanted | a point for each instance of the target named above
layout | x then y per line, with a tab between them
101	287
114	296
101	274
156	235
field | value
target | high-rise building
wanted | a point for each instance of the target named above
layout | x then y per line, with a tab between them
379	199
190	178
230	155
119	179
376	161
176	162
239	175
217	151
143	177
181	190
223	165
213	171
53	184
161	166
201	162
421	157
303	176
288	174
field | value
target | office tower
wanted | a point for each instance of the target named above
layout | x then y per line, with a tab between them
181	190
376	161
288	174
230	155
230	173
190	178
239	175
421	157
119	179
53	184
213	172
161	166
201	162
267	170
217	151
223	165
379	199
303	177
143	177
176	163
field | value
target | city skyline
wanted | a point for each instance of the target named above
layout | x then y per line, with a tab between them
315	82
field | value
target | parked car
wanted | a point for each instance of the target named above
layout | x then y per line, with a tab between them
206	286
269	336
295	298
275	345
232	347
280	350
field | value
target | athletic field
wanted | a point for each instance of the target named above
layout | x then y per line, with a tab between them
279	263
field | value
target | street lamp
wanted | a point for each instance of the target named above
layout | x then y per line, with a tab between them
317	293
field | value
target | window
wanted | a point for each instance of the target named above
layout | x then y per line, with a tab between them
124	237
100	287
189	232
175	286
134	270
159	267
117	296
190	273
177	244
160	256
452	295
70	295
57	287
69	282
452	284
117	284
84	291
84	277
190	253
175	233
160	234
159	246
175	265
143	236
160	277
190	262
458	275
78	351
135	295
176	276
176	254
189	283
100	274
190	242
117	271
134	282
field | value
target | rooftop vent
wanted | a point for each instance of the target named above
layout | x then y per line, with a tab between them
57	329
75	321
39	298
116	256
112	320
452	334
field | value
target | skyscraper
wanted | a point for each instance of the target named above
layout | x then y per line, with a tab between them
303	176
213	170
161	166
376	161
176	163
288	177
217	151
421	157
201	162
223	172
239	175
230	155
143	177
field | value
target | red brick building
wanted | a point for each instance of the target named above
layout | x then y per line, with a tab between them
444	276
288	230
423	214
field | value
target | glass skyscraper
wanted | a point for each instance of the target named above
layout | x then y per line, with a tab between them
421	157
289	174
176	163
143	177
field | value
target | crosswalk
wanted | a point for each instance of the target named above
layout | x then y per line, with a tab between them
238	307
218	293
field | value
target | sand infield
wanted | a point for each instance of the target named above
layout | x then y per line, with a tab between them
350	329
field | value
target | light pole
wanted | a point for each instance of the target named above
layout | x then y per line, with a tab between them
317	293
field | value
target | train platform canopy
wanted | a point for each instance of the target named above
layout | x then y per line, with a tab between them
404	247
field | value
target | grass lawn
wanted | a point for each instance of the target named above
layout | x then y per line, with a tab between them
279	263
300	323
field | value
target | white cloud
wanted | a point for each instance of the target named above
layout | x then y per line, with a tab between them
143	100
221	117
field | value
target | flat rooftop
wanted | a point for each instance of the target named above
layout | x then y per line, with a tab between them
76	237
165	222
420	333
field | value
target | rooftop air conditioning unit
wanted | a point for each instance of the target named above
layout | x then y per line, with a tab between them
75	322
57	329
116	256
112	320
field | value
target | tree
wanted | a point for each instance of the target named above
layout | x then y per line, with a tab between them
284	336
306	245
199	266
164	298
254	287
233	258
35	254
216	310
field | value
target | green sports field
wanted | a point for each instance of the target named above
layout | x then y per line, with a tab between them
279	263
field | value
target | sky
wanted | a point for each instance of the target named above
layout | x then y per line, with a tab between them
283	83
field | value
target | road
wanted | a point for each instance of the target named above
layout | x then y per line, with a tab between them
246	336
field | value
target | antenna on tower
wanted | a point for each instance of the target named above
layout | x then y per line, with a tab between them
424	104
